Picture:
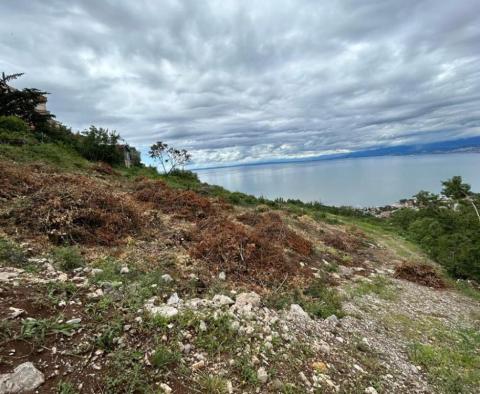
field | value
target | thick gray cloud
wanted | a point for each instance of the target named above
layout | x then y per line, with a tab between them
237	81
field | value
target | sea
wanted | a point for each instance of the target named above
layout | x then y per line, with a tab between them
356	182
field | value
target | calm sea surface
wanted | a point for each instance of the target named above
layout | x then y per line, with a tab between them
361	182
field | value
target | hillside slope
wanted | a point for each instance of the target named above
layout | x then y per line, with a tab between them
125	281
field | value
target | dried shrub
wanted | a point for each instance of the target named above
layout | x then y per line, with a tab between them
104	169
271	227
16	181
420	273
184	204
77	210
343	241
231	247
250	253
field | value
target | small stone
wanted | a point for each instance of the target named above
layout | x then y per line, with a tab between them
15	312
222	276
24	378
74	321
333	320
165	311
319	366
262	375
198	365
174	299
277	384
167	278
304	379
229	387
139	319
96	271
220	300
371	390
127	327
203	326
124	270
297	313
166	388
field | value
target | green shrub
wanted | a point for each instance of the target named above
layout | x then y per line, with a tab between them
11	254
13	124
68	258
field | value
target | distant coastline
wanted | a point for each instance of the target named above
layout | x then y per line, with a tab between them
464	145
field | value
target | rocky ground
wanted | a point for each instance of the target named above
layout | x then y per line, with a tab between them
229	342
181	304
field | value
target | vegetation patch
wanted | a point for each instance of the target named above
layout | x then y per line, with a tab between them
420	273
379	285
72	209
185	204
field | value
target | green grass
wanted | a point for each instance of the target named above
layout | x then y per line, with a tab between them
127	374
449	355
318	300
165	358
58	155
65	387
212	384
467	289
379	285
452	361
108	333
219	336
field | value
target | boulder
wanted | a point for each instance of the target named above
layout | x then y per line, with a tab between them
165	311
24	378
244	299
220	300
297	313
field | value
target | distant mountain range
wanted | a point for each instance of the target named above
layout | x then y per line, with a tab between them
464	145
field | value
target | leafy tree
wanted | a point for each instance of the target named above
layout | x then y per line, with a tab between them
99	144
22	103
426	199
448	233
169	157
455	189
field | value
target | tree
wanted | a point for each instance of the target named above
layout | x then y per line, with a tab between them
22	103
426	199
101	144
455	189
169	157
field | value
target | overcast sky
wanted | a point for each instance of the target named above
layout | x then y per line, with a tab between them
242	81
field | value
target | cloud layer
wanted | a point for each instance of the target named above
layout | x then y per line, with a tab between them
236	81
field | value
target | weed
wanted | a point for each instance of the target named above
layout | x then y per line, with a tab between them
318	300
212	384
127	373
106	339
60	291
6	329
65	387
219	336
37	330
165	358
246	370
68	258
11	254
